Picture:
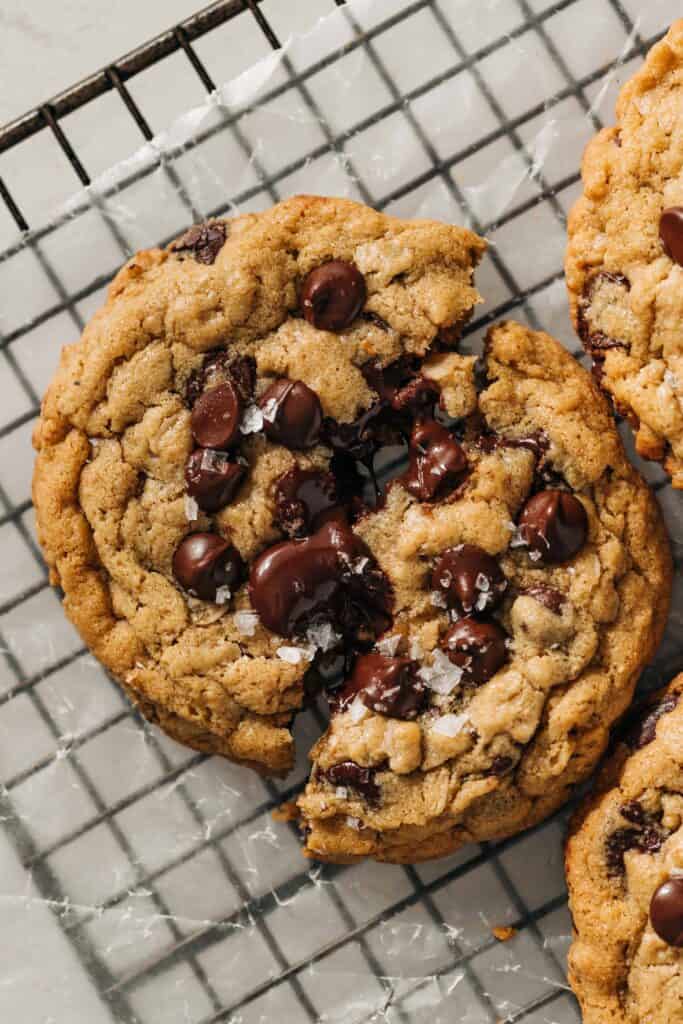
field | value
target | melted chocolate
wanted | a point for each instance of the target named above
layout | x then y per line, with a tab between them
330	576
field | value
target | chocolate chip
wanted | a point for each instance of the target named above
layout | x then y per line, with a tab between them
205	562
388	380
596	341
389	686
330	575
640	726
302	497
471	579
219	366
348	773
203	241
437	462
550	598
634	812
478	648
333	295
647	840
292	414
363	437
212	479
666	911
537	443
501	764
671	233
554	526
416	397
215	419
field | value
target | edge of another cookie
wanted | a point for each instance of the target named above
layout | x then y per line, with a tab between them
602	929
581	267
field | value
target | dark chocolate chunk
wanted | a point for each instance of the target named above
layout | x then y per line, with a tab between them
218	366
203	241
437	462
554	526
292	414
328	576
350	774
216	416
478	648
645	840
501	764
635	813
671	233
212	479
333	295
471	579
640	727
389	686
205	562
302	499
416	397
595	341
552	599
536	443
666	911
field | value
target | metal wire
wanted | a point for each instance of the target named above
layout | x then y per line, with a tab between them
116	991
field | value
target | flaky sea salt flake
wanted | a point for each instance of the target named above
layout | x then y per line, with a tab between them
442	675
322	636
450	725
294	655
223	595
246	622
357	710
191	509
252	421
388	645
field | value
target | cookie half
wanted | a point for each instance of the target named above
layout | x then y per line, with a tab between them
624	863
526	602
624	263
229	398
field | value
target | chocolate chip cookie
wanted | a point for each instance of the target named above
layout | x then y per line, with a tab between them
624	264
206	456
624	862
530	576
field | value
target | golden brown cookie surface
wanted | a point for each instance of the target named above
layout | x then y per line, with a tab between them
624	862
526	605
171	438
624	263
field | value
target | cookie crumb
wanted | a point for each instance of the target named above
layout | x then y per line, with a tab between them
503	932
285	812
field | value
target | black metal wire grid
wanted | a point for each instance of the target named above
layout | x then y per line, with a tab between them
455	968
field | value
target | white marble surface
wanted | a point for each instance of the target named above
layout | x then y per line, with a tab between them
45	45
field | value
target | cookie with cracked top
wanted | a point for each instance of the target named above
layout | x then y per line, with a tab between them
624	261
189	500
624	864
527	597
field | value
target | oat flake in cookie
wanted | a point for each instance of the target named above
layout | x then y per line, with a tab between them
624	863
624	263
212	411
527	594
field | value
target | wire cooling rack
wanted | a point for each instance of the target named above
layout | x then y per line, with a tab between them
140	882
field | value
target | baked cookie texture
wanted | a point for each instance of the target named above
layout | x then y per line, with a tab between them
624	863
135	456
517	717
624	262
